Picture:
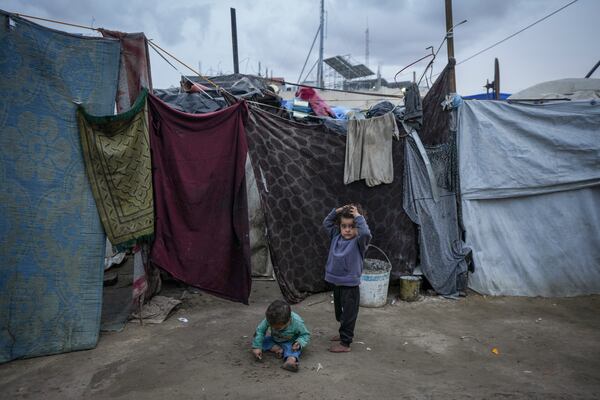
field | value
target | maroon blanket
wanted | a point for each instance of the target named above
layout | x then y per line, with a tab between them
200	197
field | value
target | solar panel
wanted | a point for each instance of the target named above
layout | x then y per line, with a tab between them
341	66
347	70
362	70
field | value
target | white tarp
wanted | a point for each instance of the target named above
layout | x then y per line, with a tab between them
530	185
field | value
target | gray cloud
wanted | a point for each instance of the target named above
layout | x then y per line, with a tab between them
279	33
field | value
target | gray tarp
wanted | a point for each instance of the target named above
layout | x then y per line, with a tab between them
442	252
530	183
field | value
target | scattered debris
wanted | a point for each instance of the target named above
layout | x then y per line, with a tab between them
115	259
245	336
393	301
110	278
537	321
527	372
469	337
496	351
331	301
361	342
183	319
405	343
368	349
156	310
319	367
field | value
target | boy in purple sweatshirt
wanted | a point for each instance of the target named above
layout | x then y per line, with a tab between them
350	237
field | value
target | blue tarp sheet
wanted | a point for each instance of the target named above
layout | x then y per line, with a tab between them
52	242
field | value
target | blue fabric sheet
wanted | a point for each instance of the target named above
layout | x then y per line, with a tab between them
52	242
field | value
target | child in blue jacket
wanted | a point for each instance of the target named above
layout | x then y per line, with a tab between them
350	237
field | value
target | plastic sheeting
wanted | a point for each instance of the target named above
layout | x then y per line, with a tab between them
530	182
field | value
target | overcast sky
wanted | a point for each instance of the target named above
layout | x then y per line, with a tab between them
278	33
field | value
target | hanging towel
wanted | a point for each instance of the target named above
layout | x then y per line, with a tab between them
202	234
369	150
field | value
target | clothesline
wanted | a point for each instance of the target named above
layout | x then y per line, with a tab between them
151	42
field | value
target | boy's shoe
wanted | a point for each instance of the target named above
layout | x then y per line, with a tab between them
339	348
335	338
290	366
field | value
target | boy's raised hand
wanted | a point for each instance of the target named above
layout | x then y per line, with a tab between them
257	353
354	211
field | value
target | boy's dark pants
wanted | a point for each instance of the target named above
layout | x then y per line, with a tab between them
346	300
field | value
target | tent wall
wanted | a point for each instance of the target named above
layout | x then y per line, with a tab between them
530	183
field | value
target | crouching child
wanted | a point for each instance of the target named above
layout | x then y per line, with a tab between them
288	335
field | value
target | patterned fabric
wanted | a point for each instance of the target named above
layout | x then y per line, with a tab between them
201	205
299	169
53	244
116	150
134	74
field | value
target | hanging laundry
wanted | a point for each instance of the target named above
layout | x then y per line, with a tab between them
201	203
369	150
317	104
53	244
134	70
296	166
116	150
413	108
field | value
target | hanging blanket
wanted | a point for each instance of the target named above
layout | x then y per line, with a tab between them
53	244
201	206
369	150
299	170
117	157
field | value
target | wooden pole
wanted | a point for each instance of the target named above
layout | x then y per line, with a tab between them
450	43
234	42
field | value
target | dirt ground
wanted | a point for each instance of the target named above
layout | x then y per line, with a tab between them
430	349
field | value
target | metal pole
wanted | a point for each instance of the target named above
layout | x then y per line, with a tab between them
322	31
593	69
236	66
450	42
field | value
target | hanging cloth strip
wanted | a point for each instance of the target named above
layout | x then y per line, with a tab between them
134	69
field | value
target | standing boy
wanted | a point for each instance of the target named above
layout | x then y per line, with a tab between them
350	237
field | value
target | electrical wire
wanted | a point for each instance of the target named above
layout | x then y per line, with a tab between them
516	33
